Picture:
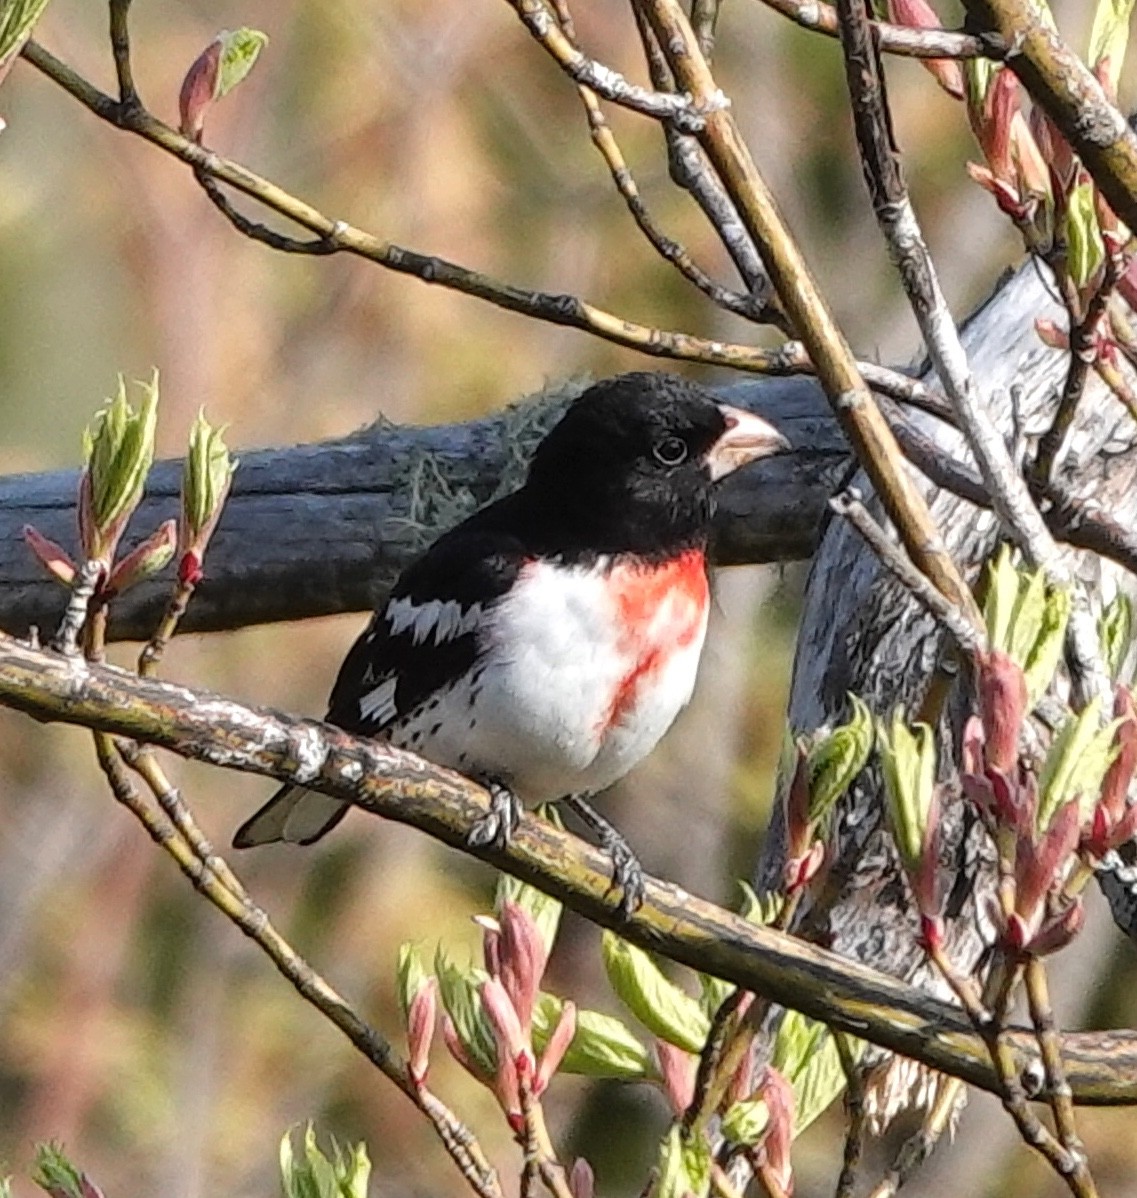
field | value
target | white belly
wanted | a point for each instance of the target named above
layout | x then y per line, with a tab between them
567	702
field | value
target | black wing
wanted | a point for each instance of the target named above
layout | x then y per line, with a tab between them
426	635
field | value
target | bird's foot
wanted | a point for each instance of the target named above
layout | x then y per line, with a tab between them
627	872
498	824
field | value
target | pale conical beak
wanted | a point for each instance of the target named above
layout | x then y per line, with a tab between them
746	439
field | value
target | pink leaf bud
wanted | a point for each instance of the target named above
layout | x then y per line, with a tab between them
918	14
1119	776
1002	707
1041	865
198	88
558	1044
1058	930
54	558
421	1016
458	1050
800	871
581	1179
778	1095
1051	334
523	958
677	1069
145	559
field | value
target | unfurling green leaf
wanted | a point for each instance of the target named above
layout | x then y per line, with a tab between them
17	20
206	476
1079	756
1085	251
836	759
759	909
602	1046
684	1166
543	908
239	52
458	989
411	974
56	1175
713	992
1109	37
656	1002
805	1053
314	1175
745	1122
1026	618
118	447
1115	628
908	758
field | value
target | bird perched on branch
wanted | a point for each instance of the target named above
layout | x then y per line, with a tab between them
543	646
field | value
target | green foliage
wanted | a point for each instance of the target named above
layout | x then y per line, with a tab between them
1075	765
1085	251
17	19
206	475
656	1002
1115	628
411	974
1026	618
54	1173
459	991
745	1122
602	1046
239	52
908	758
684	1166
118	448
545	910
836	759
806	1055
312	1174
1109	37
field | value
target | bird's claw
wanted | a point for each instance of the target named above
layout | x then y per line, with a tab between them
499	823
627	872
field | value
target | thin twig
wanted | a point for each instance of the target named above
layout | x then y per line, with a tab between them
682	111
120	48
808	312
746	306
227	894
87	578
151	655
1084	345
820	17
1058	1088
691	171
565	310
916	1150
892	206
704	18
1070	1167
857	1128
850	505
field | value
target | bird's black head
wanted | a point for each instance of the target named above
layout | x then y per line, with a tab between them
632	464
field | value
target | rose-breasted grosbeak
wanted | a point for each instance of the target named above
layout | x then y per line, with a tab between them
544	645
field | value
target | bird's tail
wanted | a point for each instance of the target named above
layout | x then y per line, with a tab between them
294	815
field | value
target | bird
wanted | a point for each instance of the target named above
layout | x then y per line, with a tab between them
543	646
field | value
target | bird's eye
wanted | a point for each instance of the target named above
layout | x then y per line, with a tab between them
670	451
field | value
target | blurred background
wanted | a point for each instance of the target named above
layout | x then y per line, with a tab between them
138	1027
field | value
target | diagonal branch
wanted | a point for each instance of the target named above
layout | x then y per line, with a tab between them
1101	1068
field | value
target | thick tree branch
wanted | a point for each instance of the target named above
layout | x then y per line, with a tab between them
397	785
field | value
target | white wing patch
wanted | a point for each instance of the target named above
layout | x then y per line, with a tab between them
379	704
444	619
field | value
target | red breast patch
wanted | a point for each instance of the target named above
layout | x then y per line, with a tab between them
660	608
